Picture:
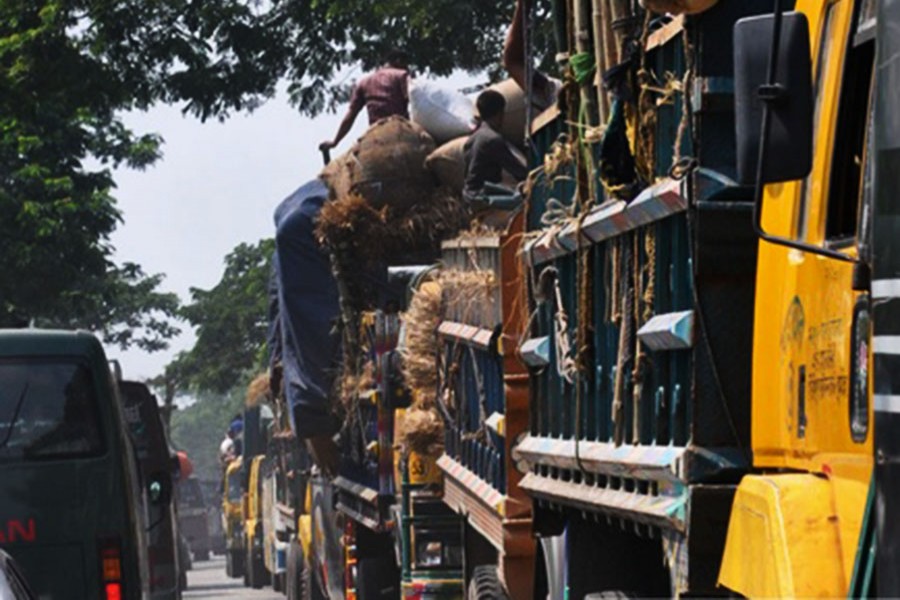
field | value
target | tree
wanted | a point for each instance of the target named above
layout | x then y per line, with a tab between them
199	429
231	322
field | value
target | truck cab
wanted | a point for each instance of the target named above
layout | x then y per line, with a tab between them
796	524
233	520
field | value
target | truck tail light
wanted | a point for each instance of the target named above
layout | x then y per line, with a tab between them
111	569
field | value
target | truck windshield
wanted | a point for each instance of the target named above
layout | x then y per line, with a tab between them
47	410
234	486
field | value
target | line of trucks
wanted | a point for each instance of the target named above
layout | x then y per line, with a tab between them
671	371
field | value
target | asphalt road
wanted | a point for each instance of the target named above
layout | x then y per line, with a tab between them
207	580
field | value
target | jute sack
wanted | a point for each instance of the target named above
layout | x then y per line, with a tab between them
386	166
448	163
515	115
677	7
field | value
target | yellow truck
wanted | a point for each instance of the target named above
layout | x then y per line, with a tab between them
233	521
255	574
797	523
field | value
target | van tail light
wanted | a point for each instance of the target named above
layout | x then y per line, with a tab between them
113	591
111	569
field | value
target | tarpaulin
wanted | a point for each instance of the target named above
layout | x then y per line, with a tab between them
307	309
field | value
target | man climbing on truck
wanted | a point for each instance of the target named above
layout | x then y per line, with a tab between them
487	154
384	93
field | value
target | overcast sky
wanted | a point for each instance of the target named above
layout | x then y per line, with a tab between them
216	186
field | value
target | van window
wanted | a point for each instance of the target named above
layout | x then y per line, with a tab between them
47	410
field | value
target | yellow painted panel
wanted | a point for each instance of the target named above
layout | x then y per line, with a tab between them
804	303
304	533
786	538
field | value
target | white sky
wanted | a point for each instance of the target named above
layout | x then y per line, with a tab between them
216	186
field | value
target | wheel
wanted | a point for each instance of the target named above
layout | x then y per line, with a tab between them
485	584
257	574
234	563
377	579
248	568
201	554
309	584
609	595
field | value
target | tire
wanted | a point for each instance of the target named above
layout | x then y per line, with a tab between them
234	564
278	582
485	584
248	564
309	586
257	575
377	579
609	595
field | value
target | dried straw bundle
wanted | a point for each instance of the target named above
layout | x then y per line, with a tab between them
422	432
257	391
351	384
367	234
420	352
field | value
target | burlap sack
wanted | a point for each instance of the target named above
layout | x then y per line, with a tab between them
448	163
516	115
677	7
387	164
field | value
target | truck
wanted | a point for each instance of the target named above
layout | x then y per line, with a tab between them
737	441
822	399
232	519
679	378
375	526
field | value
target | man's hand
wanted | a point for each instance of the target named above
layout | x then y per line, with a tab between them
325	454
327	146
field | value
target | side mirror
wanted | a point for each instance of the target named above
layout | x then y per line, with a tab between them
159	490
789	146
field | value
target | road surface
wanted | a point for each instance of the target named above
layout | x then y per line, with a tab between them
207	580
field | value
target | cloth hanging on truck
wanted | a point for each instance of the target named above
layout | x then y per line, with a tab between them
307	309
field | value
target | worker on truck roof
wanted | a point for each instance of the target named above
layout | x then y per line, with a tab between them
384	93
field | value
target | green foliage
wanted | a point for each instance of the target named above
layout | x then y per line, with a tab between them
231	322
57	109
200	428
123	305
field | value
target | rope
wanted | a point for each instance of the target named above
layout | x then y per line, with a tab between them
565	365
637	375
626	344
686	85
645	111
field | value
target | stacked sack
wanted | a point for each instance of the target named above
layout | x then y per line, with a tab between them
450	117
